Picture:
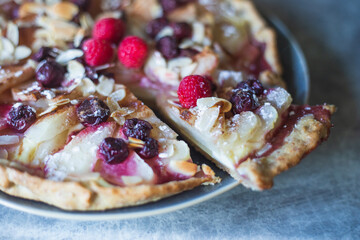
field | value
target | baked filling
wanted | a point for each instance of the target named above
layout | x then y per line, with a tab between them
70	125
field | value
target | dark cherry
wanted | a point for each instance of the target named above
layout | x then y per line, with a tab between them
181	30
251	85
50	74
155	26
150	149
137	128
10	10
21	117
114	150
44	53
82	4
170	5
243	100
92	112
168	46
188	52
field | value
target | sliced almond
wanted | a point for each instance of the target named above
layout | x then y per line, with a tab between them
22	52
105	86
207	170
183	167
75	69
63	10
68	55
208	102
30	8
12	33
87	87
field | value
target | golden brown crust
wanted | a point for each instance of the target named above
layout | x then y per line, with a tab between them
12	76
90	195
308	133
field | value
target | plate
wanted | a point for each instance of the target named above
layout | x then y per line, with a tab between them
296	74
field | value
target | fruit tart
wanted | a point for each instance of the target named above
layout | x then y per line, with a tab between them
236	110
70	135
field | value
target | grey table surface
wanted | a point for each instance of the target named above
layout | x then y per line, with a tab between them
319	199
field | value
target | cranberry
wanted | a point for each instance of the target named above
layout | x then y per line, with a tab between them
93	112
188	52
150	149
251	85
243	101
170	5
181	30
155	26
50	73
10	10
137	128
21	117
82	4
44	53
114	150
168	47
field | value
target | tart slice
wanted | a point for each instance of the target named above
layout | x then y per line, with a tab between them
251	132
89	145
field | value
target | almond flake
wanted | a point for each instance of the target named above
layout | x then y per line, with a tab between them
166	31
188	70
68	55
112	104
60	102
105	86
75	69
86	21
7	46
48	110
198	32
87	87
179	62
118	95
208	102
12	33
63	10
22	52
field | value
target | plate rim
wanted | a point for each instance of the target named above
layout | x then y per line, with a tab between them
107	216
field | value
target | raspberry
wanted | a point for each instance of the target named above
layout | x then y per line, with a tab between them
109	29
192	88
97	52
132	52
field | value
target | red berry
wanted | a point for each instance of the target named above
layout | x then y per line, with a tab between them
109	29
97	52
192	88
132	52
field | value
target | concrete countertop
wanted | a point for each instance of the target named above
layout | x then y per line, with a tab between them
320	198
